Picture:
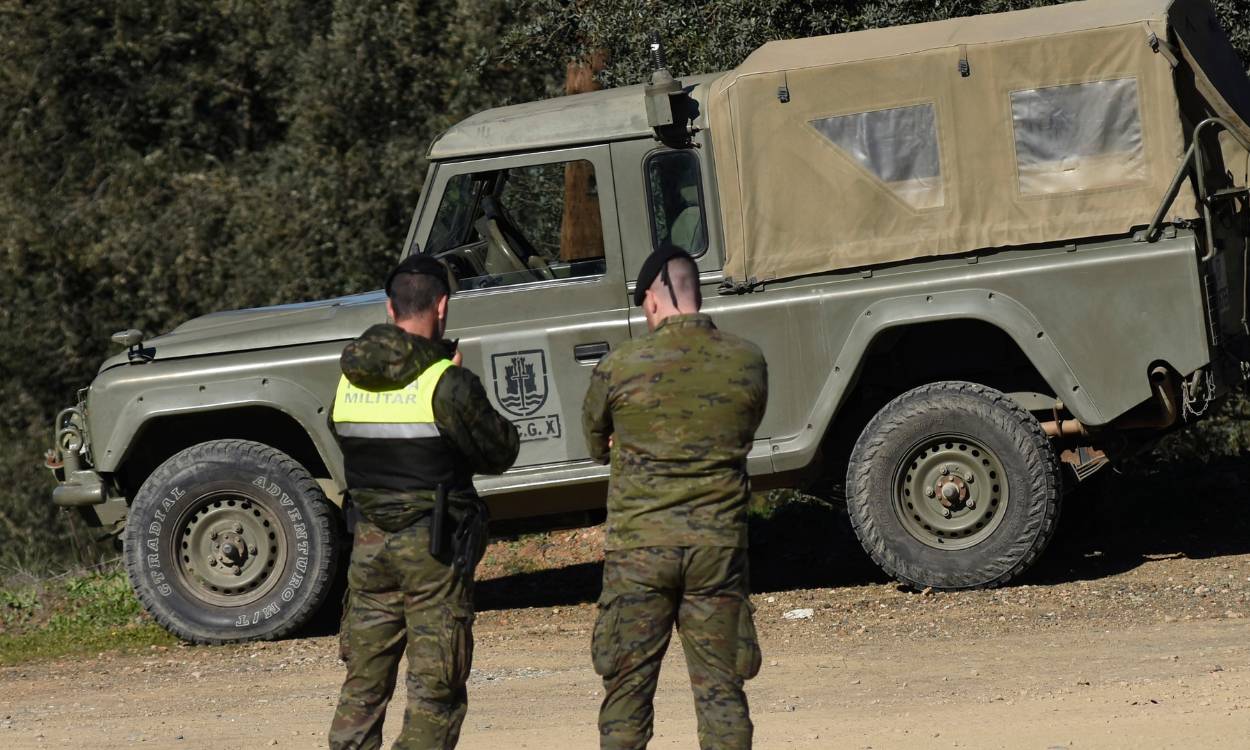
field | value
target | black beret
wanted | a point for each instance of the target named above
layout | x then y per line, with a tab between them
652	266
422	265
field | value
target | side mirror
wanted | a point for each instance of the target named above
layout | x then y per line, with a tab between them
128	338
132	339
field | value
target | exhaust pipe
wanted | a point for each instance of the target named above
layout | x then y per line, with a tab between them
1166	395
1057	428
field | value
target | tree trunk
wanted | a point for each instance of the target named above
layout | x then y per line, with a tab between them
581	231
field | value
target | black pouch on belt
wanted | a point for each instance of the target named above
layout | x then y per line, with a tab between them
351	514
438	524
470	538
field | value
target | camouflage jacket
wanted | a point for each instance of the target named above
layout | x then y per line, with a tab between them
384	358
681	406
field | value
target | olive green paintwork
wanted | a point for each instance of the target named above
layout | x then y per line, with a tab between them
1091	317
945	493
598	117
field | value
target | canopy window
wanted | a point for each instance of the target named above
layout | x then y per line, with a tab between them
1082	136
898	146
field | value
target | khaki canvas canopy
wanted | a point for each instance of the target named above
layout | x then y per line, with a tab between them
1000	130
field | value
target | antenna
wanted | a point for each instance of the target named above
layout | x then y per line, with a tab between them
658	61
670	110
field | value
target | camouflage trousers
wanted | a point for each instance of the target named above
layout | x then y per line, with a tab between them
400	599
704	592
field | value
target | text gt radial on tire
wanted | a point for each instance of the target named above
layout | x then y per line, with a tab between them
231	540
953	485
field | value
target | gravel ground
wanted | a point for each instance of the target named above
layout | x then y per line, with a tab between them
1132	633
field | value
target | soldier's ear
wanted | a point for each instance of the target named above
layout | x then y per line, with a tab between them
442	307
390	309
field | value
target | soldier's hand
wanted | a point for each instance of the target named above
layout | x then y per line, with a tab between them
457	358
611	441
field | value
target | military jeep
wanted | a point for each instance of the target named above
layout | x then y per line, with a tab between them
984	257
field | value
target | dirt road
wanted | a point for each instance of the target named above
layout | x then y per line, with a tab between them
1133	635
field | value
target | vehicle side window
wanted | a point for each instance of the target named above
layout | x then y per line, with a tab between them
675	196
519	225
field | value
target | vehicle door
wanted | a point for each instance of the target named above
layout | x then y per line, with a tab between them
534	247
668	196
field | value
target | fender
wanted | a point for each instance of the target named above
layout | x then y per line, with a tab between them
279	394
984	305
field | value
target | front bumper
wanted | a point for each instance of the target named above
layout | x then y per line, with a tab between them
69	460
79	485
81	488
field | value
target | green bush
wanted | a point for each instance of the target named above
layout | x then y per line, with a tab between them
87	611
1225	432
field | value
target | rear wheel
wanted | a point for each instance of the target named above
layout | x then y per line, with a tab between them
231	540
952	485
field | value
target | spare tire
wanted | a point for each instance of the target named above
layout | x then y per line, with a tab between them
231	540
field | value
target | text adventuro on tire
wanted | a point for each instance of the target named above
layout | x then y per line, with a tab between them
953	485
231	540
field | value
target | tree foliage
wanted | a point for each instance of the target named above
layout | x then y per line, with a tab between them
161	160
706	36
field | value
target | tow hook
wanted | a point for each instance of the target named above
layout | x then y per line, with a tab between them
52	460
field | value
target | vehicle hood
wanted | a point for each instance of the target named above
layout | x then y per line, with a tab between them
337	319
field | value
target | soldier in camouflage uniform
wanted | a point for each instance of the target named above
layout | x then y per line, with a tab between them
675	412
414	428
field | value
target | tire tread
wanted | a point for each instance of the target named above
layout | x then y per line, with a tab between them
1030	440
325	521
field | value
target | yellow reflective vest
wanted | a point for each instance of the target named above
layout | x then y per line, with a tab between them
390	439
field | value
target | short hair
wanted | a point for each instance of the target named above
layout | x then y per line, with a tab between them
415	293
683	276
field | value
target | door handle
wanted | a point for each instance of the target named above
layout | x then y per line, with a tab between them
591	352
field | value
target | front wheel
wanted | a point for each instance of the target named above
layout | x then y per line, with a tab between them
953	485
231	540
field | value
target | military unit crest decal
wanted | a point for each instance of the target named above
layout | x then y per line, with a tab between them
521	388
521	381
